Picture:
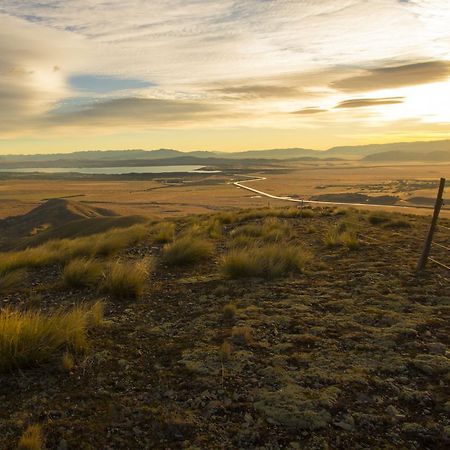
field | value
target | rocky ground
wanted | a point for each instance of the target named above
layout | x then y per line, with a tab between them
352	354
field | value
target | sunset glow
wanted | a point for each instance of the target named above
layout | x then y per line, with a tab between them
221	75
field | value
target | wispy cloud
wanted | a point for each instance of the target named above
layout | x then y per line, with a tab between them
364	102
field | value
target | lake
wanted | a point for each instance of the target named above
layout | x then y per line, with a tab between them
112	170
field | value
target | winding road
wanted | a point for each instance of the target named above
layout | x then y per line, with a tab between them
299	200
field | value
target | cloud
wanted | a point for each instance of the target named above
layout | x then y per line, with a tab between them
309	110
130	112
363	102
395	76
260	91
29	81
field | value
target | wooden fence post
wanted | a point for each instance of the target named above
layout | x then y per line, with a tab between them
429	239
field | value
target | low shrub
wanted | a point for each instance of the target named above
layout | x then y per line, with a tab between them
127	280
28	338
264	262
81	272
187	250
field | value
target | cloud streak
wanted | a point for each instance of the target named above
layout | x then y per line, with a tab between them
395	76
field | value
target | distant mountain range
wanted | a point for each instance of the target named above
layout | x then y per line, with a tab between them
401	151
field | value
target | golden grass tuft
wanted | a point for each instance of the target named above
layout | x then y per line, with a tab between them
127	280
67	361
63	250
163	232
81	272
242	335
32	439
336	237
187	250
268	262
28	338
11	280
229	312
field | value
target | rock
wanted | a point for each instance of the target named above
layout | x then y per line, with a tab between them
432	364
347	423
62	445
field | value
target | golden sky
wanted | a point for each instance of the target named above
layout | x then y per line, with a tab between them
221	75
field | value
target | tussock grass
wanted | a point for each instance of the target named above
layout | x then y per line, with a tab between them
378	218
11	280
242	335
163	232
271	230
81	272
268	262
60	251
127	280
67	361
387	220
31	439
229	312
28	338
187	250
336	237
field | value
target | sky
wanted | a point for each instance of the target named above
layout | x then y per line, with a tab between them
222	75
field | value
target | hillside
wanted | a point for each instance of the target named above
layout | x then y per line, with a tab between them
403	156
53	213
111	158
269	328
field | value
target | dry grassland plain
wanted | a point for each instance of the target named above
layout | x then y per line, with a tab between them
165	196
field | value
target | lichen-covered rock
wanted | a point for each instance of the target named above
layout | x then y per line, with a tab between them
290	407
432	364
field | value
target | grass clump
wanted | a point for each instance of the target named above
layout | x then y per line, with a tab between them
60	251
127	280
28	338
242	335
378	218
67	361
163	232
31	439
229	312
271	230
81	272
187	250
11	280
341	236
266	262
387	220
